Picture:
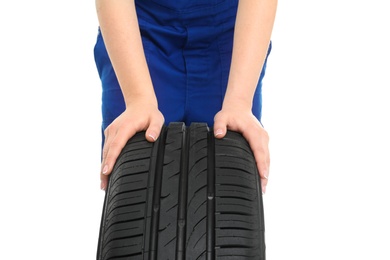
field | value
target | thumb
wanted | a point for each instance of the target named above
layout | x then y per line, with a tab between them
220	126
153	131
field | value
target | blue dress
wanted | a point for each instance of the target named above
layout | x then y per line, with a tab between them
188	48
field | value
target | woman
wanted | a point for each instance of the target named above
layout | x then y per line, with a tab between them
183	61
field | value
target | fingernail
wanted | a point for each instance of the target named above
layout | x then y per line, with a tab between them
266	174
153	136
218	132
105	169
263	190
102	186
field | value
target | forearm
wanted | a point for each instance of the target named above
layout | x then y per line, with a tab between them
119	26
253	29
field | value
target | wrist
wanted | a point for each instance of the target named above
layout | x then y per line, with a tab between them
141	98
237	102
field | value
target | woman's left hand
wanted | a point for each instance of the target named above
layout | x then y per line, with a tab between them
239	117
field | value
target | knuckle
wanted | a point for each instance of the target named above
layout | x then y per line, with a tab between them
264	133
105	151
114	146
263	164
107	131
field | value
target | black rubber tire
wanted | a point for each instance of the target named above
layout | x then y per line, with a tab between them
186	196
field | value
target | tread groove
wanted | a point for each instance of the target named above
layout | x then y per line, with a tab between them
156	197
210	235
182	210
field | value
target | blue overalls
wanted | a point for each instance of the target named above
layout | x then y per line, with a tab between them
188	48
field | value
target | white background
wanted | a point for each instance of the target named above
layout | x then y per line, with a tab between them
326	107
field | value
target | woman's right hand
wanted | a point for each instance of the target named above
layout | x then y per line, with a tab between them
138	116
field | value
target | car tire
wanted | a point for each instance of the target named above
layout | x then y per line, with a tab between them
187	196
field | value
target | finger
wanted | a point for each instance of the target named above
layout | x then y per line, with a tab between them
107	140
115	147
264	183
108	136
262	166
259	145
154	130
220	126
104	178
103	182
261	155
